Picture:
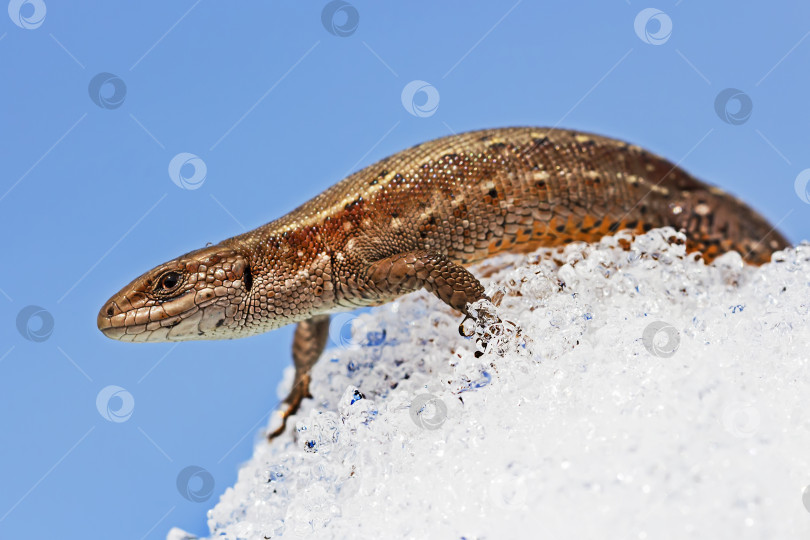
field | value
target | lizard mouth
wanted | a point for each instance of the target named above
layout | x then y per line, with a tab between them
201	323
116	327
179	319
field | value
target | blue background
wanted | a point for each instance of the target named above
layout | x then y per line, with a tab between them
87	203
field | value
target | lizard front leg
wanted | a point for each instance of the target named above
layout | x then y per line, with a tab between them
309	341
406	272
390	277
450	282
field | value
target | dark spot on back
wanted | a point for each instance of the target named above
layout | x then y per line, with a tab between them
493	193
354	203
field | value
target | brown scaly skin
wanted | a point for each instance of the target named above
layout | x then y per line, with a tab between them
414	220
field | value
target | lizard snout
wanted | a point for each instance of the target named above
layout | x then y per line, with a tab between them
105	317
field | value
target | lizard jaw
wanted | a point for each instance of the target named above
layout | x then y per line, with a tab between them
200	295
207	321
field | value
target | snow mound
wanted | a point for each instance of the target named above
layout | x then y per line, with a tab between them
639	393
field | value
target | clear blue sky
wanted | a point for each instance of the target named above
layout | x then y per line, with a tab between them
278	108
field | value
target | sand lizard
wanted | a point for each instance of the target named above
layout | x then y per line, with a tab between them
414	220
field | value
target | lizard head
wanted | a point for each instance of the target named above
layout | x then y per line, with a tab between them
200	295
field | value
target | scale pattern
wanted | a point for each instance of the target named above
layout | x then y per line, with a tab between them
416	218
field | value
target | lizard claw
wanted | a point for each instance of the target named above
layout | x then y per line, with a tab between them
278	423
298	393
469	330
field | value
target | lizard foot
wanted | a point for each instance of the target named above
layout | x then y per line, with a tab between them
489	331
309	341
289	407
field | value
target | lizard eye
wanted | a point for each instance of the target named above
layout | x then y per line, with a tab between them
168	282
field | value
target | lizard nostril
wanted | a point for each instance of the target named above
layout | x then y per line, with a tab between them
109	310
105	316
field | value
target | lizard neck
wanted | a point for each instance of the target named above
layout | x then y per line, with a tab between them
291	277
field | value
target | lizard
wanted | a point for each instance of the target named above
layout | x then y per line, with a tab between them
417	219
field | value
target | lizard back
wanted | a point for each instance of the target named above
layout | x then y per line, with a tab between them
472	195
